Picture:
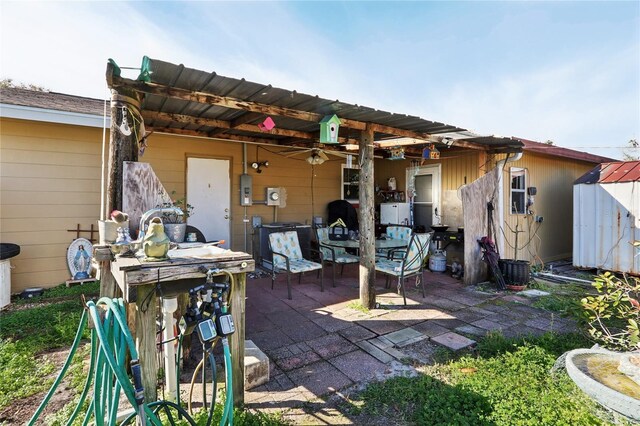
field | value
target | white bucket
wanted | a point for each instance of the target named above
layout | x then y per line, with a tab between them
108	230
5	283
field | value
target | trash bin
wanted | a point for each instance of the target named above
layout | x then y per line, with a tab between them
7	251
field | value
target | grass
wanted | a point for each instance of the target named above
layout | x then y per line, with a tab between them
358	307
507	382
49	322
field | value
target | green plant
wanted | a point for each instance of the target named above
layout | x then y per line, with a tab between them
506	383
358	306
181	203
613	314
21	374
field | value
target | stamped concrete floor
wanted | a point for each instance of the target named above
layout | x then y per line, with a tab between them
319	345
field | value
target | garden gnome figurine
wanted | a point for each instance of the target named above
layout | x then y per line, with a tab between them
155	242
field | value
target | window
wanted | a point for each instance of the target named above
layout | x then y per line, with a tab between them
350	184
517	199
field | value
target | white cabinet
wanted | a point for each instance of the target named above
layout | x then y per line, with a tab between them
394	213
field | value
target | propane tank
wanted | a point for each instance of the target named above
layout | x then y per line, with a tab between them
438	261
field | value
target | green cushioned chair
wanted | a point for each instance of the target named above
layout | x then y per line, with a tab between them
286	256
333	255
411	265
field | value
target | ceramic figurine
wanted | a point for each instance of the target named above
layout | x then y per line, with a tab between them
155	242
123	243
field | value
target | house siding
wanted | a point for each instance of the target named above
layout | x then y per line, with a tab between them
50	183
553	177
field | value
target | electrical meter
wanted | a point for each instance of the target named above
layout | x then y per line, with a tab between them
206	330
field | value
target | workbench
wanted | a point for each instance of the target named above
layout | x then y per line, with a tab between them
141	282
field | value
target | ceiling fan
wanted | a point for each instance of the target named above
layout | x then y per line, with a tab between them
315	156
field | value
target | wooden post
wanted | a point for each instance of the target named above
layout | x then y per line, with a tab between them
236	340
108	285
367	225
121	147
146	339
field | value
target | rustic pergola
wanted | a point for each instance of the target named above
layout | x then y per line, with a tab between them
169	98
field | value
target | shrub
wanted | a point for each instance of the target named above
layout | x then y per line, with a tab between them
614	313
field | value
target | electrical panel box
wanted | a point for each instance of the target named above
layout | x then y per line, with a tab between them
246	190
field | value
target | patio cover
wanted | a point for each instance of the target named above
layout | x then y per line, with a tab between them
181	100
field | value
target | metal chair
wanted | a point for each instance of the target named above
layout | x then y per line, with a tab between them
333	255
396	232
411	265
286	255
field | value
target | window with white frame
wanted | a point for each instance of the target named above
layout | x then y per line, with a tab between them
518	198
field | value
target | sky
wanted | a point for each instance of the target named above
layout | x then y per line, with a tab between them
568	72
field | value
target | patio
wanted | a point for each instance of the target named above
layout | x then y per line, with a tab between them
319	342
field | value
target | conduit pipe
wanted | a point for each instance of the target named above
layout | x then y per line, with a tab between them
169	306
499	237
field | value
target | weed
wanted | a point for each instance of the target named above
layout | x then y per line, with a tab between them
358	307
507	383
22	374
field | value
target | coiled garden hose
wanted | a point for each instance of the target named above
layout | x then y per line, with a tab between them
110	342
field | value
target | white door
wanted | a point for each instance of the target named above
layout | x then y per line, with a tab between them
426	204
209	192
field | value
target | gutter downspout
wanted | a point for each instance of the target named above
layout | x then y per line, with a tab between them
501	165
245	219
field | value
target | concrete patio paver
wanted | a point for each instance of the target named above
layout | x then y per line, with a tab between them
319	378
375	351
356	333
357	365
453	341
430	328
405	337
331	345
318	343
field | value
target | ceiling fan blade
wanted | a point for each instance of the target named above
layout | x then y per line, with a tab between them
322	155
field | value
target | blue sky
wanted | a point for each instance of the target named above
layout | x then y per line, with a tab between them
564	71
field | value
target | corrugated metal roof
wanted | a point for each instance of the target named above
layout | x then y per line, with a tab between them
620	171
179	76
558	151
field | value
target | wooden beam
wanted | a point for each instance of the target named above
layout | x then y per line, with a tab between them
224	101
245	118
187	119
367	226
266	109
226	125
208	135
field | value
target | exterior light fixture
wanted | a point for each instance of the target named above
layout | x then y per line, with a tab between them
315	159
258	165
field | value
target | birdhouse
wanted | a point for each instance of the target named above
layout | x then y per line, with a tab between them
329	126
396	153
430	153
267	124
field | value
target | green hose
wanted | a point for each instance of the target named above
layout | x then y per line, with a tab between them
110	341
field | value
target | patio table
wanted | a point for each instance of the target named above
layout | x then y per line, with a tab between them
387	244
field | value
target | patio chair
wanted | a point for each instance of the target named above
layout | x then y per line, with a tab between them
411	265
396	232
286	255
333	255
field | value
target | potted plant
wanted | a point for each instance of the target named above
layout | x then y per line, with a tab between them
175	225
516	272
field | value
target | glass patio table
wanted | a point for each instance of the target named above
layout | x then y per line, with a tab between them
387	244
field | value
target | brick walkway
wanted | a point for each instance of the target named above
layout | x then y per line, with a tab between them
318	344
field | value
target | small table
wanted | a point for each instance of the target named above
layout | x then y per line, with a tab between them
387	244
